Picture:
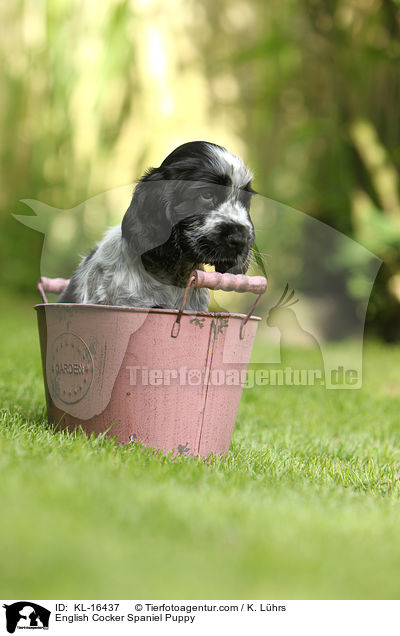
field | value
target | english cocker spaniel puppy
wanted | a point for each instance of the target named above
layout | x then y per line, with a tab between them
190	211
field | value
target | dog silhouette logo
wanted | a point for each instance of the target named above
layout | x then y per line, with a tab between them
284	318
26	615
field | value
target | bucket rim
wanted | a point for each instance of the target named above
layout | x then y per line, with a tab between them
151	310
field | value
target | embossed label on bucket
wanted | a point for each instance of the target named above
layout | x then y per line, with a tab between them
71	368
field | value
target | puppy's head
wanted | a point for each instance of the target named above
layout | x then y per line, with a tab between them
199	201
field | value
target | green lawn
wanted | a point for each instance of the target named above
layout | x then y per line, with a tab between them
305	505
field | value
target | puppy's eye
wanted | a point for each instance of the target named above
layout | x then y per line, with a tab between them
208	195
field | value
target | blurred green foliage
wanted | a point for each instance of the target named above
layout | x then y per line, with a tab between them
308	91
318	85
64	67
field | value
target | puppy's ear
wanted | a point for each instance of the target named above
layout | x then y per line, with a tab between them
148	221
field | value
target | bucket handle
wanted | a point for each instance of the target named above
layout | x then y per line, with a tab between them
197	279
52	285
226	282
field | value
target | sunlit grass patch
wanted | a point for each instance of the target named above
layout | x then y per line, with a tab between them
304	505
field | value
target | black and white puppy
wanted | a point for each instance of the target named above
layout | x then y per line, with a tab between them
192	210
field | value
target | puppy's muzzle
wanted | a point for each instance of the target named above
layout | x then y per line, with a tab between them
237	238
234	244
234	238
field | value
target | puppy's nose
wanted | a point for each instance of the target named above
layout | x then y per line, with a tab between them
236	238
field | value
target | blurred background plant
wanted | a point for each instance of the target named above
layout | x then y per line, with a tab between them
307	92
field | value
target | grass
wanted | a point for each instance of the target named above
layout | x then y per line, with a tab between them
305	505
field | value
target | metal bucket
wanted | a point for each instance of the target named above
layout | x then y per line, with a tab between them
170	379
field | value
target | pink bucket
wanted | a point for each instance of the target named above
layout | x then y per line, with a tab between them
170	379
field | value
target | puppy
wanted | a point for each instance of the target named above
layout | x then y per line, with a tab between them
192	210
